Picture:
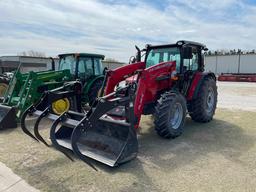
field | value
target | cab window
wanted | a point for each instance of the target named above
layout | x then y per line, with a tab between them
160	55
68	62
85	67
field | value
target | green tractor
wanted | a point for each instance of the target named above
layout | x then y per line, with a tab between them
26	89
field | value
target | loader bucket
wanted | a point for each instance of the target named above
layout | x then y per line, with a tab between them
42	109
109	142
23	125
104	138
7	117
34	112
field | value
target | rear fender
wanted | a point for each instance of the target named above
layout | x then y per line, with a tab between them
198	79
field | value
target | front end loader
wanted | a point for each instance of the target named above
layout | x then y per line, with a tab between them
70	91
27	89
169	83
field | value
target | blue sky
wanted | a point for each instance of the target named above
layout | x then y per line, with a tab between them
113	27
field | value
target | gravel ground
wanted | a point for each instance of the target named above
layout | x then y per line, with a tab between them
217	156
237	95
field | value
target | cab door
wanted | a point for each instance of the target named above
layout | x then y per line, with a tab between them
189	69
85	69
193	63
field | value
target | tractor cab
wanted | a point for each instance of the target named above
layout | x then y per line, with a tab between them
186	54
188	58
83	66
88	69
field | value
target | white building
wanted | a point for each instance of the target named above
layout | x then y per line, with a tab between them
11	63
244	63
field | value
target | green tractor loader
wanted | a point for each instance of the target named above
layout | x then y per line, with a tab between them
26	89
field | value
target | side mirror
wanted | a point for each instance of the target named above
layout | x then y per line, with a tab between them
187	53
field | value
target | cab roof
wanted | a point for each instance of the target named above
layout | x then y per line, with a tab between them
178	43
84	55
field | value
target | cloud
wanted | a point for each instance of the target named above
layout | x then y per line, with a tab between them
114	27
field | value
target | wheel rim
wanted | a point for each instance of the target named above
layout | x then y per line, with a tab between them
177	116
210	100
60	106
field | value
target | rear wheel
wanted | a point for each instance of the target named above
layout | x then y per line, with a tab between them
3	86
170	113
94	90
203	107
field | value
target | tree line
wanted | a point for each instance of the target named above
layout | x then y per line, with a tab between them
32	53
230	52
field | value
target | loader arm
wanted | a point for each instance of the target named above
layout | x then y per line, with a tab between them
150	86
25	90
120	74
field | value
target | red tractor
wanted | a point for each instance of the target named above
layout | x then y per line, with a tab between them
169	83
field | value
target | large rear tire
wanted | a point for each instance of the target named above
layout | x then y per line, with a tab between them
203	107
4	82
170	114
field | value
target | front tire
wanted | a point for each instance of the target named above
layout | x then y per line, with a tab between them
203	107
170	114
94	90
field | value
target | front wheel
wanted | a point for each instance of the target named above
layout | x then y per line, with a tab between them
170	114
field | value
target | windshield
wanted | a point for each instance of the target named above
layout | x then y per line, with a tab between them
68	62
160	55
